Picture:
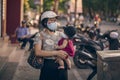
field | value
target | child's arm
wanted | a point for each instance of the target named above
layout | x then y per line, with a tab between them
63	45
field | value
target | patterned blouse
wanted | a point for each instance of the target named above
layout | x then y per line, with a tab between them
48	41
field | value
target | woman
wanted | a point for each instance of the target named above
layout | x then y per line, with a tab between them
44	46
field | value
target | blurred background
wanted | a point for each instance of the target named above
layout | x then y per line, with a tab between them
73	12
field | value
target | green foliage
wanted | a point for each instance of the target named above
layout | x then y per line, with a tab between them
62	5
105	6
48	4
26	5
31	3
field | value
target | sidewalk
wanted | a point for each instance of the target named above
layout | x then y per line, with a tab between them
19	69
9	59
25	72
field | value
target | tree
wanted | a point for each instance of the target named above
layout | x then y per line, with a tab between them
48	5
104	7
32	5
26	5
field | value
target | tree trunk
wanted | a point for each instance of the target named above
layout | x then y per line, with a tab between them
56	4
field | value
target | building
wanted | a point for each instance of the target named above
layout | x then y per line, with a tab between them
10	17
76	5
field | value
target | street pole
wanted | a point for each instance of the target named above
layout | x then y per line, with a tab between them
75	13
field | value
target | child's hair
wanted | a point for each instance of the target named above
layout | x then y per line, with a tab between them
70	31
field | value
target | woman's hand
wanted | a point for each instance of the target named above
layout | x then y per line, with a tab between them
62	54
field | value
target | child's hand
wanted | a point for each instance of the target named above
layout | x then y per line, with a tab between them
56	46
57	60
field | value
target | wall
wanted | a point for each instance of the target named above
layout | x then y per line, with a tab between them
13	17
0	17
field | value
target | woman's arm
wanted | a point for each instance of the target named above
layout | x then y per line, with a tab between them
43	53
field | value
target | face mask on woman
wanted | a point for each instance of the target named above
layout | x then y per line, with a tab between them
52	26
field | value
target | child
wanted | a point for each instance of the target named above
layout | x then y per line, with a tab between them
66	44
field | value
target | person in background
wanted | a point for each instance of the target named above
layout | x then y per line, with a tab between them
44	47
112	37
97	20
81	19
32	31
113	41
66	44
22	34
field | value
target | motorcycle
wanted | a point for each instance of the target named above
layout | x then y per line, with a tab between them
86	51
86	54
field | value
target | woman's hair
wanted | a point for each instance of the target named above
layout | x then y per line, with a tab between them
44	22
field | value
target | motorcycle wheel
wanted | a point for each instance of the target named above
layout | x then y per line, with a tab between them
80	61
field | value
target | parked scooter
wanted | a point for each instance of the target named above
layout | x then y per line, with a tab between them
86	50
86	54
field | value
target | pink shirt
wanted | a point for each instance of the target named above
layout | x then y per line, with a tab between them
69	48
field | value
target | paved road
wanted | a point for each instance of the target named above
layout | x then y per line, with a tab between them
26	72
